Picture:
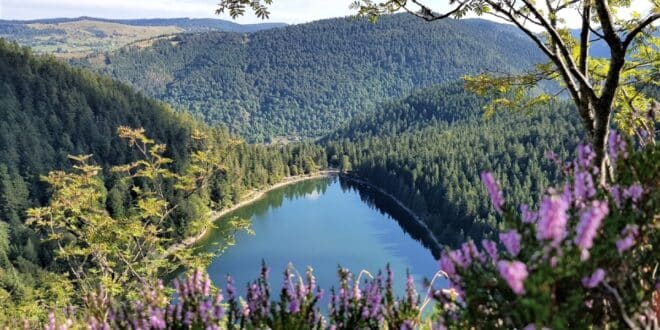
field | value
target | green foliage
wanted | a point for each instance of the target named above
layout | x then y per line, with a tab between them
428	150
98	249
307	80
48	111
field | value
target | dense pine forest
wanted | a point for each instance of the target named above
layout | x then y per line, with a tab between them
50	111
306	80
429	149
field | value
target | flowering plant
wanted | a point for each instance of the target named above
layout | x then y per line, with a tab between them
588	256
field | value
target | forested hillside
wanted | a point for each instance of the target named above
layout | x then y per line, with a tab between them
429	149
49	111
308	79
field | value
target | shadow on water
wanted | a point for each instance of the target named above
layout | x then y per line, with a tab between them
309	188
387	206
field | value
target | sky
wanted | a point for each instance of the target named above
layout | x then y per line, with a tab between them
287	11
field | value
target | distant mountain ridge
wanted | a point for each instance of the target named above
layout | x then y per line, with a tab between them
186	23
309	79
78	37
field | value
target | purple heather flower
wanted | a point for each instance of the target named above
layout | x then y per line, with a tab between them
466	252
51	322
294	306
590	221
527	215
496	196
447	265
616	146
411	293
156	320
319	294
514	273
511	241
552	219
460	259
583	188
628	241
475	251
595	279
206	290
218	312
615	192
585	156
634	192
407	325
491	249
187	320
365	313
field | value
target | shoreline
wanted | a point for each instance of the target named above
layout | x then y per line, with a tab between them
258	194
414	215
248	199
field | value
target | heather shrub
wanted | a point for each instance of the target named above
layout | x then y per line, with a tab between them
588	256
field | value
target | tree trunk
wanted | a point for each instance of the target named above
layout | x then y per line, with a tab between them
601	131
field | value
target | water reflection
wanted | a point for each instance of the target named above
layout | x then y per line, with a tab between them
324	223
386	206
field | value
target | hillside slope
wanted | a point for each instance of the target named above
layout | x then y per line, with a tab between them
429	149
308	79
49	110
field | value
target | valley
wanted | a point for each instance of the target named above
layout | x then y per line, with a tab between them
424	173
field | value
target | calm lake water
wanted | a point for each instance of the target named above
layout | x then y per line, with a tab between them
324	223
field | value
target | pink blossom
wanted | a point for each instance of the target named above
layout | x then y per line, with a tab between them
460	259
595	279
514	273
496	196
552	219
634	192
527	215
475	251
511	241
616	146
585	156
491	248
628	241
583	187
590	221
447	265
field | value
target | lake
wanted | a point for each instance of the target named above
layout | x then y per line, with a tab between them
323	223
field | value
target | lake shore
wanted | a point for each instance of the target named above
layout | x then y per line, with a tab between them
247	200
258	194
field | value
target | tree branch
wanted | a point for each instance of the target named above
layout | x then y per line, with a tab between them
427	14
570	84
631	36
